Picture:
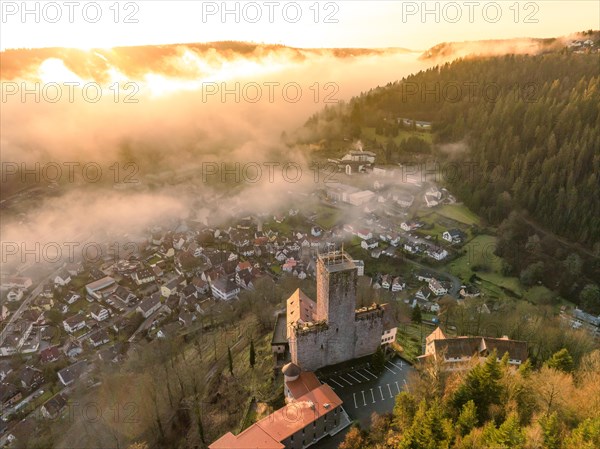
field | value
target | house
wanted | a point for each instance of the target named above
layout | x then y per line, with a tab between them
49	355
48	290
99	313
124	294
469	291
74	323
394	240
403	199
171	287
398	285
98	338
71	297
409	226
289	265
411	248
31	378
16	282
5	369
386	282
71	373
437	288
150	305
14	295
423	276
74	268
143	276
437	253
458	352
364	234
4	313
53	407
9	395
96	274
63	278
316	409
245	279
72	348
111	354
101	288
200	285
454	236
360	265
370	243
224	289
186	318
316	231
189	292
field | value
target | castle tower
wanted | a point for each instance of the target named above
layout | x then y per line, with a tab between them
336	288
337	278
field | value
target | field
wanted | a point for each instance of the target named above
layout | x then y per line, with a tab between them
369	133
327	216
458	212
480	254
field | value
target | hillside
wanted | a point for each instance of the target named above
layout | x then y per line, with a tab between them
515	132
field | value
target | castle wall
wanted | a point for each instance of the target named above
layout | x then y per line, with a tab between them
306	351
368	334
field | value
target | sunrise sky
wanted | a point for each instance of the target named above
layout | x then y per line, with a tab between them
359	23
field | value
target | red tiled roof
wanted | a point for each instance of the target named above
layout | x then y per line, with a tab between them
306	382
295	416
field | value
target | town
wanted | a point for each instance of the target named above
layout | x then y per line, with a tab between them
406	243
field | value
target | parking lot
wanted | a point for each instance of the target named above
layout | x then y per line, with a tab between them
363	392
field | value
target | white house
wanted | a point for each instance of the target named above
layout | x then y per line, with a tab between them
398	285
150	305
143	276
98	338
74	323
385	282
360	264
364	234
71	297
99	313
224	289
369	244
436	287
71	373
437	253
453	235
14	295
63	278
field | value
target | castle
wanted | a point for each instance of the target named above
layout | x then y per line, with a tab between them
332	330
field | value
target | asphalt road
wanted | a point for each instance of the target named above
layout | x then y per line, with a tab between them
364	393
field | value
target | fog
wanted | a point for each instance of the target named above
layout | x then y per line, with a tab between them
176	126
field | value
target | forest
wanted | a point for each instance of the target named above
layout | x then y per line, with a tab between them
493	405
515	138
528	129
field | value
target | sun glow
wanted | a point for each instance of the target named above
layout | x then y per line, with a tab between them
54	71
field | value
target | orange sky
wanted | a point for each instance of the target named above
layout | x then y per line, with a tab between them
338	24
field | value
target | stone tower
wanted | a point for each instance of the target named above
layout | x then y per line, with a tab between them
337	277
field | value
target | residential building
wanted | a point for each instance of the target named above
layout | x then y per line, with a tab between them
74	323
71	373
316	409
99	313
454	236
458	352
223	288
149	305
